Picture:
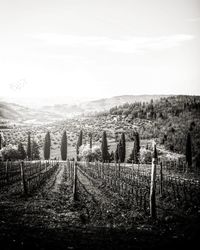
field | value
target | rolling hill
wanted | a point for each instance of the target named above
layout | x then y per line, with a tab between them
16	112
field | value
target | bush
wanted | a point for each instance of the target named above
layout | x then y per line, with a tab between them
90	154
145	155
9	152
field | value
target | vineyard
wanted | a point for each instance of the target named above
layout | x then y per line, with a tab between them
110	195
132	183
30	175
128	182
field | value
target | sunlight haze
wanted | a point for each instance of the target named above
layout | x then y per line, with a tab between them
93	49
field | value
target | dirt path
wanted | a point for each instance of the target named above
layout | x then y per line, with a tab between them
59	179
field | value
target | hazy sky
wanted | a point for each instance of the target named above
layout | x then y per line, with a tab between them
99	48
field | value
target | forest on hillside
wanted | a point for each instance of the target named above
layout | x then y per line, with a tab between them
167	119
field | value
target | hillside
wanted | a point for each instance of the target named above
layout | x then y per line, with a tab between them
16	112
168	119
107	103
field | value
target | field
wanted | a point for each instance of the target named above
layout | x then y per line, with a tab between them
111	208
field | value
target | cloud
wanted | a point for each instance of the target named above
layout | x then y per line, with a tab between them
124	45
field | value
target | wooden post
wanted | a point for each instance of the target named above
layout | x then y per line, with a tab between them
75	182
153	185
23	180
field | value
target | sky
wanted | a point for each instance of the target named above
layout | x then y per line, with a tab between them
96	49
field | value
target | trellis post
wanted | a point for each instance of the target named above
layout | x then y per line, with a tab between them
75	182
24	186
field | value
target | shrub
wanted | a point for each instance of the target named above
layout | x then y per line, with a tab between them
145	155
9	152
88	154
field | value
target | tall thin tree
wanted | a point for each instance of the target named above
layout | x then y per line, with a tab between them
35	150
90	138
47	146
29	147
188	153
123	142
116	155
104	148
134	156
63	148
120	151
79	143
136	147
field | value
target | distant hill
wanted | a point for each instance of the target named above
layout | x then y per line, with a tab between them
107	103
16	112
12	111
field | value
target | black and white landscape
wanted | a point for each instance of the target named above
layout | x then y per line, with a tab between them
99	124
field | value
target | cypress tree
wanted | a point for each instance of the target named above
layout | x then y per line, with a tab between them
79	143
0	141
47	146
155	154
64	146
35	151
188	153
136	147
120	151
104	148
21	151
29	147
134	156
123	142
116	156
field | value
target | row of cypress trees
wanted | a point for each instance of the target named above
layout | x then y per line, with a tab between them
32	152
119	155
63	148
120	152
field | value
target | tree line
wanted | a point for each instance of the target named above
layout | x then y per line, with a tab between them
32	151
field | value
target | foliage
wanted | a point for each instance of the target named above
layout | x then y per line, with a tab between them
47	146
188	150
79	143
29	154
35	150
167	119
134	156
145	156
21	151
64	146
9	152
123	148
104	148
90	154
